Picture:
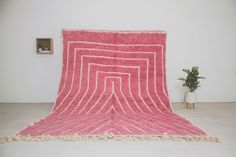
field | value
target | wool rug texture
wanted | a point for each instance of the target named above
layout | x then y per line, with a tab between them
113	86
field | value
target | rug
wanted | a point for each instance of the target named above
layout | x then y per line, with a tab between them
113	86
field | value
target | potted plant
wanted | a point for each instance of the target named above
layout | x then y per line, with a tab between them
192	83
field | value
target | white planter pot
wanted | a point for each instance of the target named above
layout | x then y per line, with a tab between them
191	97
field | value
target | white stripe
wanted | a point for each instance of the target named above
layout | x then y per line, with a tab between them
127	129
91	132
107	50
140	129
110	109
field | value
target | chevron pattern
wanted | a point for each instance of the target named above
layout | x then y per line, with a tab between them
113	82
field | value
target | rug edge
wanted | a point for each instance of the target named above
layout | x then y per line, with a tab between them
110	136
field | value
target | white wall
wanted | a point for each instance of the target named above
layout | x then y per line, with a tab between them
200	32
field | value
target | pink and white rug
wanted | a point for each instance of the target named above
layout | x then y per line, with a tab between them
113	86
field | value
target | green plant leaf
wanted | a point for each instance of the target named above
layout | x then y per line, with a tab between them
187	71
182	79
192	79
199	77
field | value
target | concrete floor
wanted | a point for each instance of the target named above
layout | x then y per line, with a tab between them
218	119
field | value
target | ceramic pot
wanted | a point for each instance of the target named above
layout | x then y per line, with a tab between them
191	97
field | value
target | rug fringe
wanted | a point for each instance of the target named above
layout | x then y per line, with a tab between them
110	136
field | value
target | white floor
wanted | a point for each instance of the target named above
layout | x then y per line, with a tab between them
218	119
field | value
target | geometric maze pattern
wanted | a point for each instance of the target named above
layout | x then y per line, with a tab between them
113	82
